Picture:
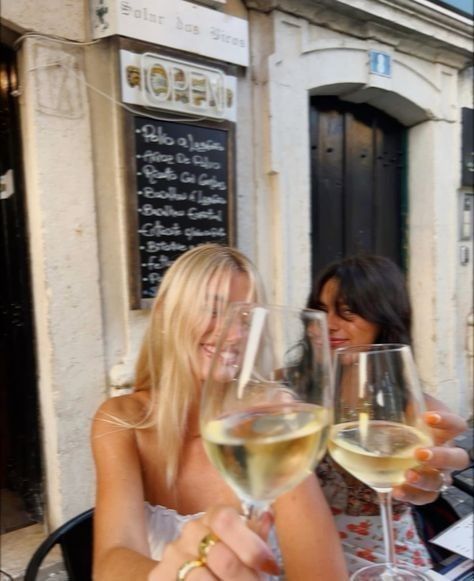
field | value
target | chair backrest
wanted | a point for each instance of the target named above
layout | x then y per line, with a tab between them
75	540
464	479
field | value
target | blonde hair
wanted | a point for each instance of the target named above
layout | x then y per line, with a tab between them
168	363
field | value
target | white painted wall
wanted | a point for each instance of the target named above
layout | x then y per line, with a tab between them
65	267
433	179
123	328
65	18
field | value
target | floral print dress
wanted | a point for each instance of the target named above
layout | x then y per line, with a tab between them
356	511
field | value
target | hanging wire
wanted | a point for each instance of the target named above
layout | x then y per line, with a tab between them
54	38
81	79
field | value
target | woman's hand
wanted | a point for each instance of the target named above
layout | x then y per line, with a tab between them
218	545
424	483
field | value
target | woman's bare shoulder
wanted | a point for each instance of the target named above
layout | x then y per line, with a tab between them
130	409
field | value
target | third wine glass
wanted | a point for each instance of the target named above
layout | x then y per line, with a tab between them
378	425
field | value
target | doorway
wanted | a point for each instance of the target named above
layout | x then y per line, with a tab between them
358	175
20	470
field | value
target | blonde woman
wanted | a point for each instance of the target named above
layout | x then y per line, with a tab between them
160	505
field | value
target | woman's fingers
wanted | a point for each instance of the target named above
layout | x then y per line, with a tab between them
225	564
217	546
427	479
443	458
423	483
233	531
445	425
191	570
414	495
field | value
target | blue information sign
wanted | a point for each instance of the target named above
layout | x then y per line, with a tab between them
380	63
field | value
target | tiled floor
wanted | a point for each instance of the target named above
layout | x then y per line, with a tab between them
18	546
20	536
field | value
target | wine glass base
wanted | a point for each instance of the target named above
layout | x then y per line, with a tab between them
383	572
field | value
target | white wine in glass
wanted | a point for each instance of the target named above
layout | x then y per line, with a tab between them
266	406
378	425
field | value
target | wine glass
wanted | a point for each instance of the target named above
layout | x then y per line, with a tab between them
266	406
377	427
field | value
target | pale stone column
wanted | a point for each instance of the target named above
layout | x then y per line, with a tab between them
281	165
433	247
65	267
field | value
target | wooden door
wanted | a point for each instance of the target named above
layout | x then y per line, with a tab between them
20	470
357	182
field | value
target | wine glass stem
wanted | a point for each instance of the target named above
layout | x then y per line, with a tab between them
385	500
253	512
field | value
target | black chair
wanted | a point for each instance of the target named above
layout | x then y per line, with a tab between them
75	539
464	479
432	519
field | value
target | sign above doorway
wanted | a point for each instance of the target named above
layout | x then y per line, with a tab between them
177	24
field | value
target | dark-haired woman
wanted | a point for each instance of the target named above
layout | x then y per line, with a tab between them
366	301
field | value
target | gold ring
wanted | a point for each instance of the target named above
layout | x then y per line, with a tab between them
206	544
187	567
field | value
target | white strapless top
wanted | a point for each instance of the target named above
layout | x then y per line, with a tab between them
165	524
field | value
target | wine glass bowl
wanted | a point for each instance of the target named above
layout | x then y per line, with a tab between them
378	425
266	404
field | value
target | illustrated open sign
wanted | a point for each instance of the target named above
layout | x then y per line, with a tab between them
153	80
183	85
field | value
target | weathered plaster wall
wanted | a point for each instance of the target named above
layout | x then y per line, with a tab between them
65	268
123	327
65	18
433	179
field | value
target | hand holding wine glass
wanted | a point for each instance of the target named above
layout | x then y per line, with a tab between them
266	405
378	425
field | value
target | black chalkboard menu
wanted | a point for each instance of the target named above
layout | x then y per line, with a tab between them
182	195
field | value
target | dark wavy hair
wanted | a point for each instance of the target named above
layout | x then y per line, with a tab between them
374	288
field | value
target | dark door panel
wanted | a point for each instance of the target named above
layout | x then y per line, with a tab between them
359	185
20	468
389	168
327	159
357	167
